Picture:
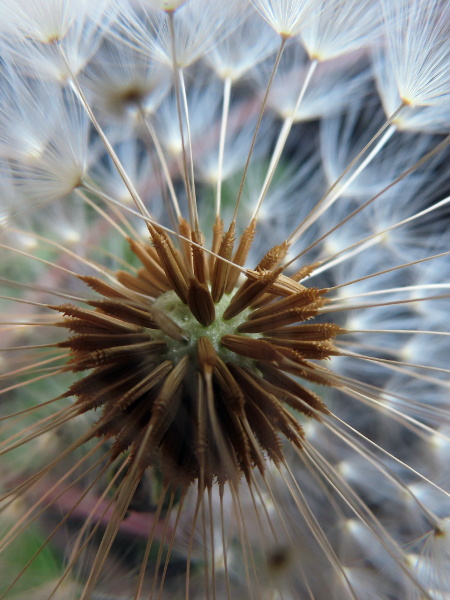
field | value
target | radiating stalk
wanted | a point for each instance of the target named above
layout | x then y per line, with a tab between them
120	169
258	124
223	129
370	143
319	211
162	159
179	92
282	138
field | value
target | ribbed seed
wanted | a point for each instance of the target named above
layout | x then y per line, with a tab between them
199	259
314	332
258	349
286	317
136	284
221	268
149	258
216	241
185	230
172	264
125	312
101	287
200	302
84	317
300	299
240	256
247	294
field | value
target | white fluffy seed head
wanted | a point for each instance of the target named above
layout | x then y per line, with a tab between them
334	84
198	26
55	38
244	48
417	36
340	27
350	499
29	114
421	119
48	21
123	81
287	17
166	5
59	167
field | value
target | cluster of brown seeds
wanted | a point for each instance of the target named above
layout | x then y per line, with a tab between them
191	371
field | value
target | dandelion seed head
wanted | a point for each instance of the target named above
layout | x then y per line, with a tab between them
166	5
224	298
206	331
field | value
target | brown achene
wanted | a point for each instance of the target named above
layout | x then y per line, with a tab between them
205	403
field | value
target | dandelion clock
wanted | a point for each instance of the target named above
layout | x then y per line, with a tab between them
224	240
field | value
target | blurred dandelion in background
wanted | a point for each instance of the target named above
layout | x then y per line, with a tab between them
225	299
